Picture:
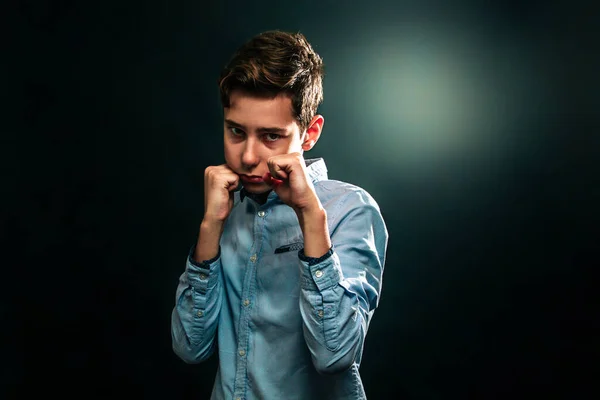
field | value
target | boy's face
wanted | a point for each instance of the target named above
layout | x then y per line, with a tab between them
256	129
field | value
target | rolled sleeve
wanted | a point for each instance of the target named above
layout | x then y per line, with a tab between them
341	289
196	314
204	275
320	273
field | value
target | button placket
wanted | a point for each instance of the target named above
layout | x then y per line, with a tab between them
246	304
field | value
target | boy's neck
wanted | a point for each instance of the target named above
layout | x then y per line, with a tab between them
260	198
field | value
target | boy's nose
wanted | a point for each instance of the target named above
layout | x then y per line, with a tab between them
249	156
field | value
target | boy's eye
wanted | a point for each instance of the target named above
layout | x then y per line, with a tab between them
235	131
272	137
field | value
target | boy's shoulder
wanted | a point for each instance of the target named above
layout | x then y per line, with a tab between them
336	191
338	186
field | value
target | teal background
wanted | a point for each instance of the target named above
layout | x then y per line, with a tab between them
474	126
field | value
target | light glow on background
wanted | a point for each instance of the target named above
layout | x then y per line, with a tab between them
429	94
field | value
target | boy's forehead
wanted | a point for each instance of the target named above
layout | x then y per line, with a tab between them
259	111
241	100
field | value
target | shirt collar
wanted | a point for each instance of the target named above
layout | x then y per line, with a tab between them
317	171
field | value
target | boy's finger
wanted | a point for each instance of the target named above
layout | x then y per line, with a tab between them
269	180
276	170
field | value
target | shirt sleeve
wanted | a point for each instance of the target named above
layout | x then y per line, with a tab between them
195	317
340	290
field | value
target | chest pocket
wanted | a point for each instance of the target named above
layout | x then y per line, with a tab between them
294	246
278	273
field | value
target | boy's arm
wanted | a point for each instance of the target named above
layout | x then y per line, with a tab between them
341	270
195	317
199	293
341	277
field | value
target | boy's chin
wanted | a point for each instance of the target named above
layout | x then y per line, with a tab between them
256	188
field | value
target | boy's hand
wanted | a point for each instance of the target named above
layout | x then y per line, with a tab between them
219	183
289	179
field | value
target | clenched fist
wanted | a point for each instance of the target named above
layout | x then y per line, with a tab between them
288	177
219	183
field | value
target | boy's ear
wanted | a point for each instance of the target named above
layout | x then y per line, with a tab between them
313	132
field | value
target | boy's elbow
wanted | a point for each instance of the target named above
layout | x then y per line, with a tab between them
332	369
189	356
332	366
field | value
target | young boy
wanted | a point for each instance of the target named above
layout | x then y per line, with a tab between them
286	272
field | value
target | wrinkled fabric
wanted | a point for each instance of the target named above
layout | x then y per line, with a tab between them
285	326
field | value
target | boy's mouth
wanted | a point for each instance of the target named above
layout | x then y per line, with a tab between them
251	178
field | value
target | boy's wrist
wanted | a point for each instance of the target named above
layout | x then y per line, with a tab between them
315	232
209	237
211	225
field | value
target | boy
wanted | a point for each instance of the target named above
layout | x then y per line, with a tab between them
286	272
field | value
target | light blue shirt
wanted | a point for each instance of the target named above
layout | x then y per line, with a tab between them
285	326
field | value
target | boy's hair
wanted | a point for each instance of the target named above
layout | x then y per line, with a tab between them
273	63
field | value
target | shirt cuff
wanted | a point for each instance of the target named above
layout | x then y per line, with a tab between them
314	260
324	273
204	264
202	275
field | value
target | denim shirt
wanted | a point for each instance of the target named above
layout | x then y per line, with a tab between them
286	326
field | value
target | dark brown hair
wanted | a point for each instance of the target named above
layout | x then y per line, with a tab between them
274	63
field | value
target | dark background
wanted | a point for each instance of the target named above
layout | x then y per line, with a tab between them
488	187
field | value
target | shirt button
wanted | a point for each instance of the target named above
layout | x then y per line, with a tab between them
253	258
246	302
200	313
202	277
242	353
261	214
319	273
